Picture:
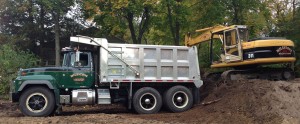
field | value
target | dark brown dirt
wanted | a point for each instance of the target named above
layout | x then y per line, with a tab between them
251	101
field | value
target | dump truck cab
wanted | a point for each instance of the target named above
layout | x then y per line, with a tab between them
80	68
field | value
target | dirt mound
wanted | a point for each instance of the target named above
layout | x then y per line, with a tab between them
250	101
257	101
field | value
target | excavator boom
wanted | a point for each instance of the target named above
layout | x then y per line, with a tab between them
206	35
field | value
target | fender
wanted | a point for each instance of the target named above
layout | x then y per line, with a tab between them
37	82
198	83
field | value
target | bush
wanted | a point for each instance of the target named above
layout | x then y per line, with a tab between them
11	60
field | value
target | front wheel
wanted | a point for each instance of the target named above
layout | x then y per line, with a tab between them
37	101
147	101
178	99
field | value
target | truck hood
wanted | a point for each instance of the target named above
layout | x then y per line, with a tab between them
32	71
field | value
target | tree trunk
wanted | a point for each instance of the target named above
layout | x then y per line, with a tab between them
294	8
57	42
235	12
177	29
42	23
144	24
131	27
171	21
31	29
42	33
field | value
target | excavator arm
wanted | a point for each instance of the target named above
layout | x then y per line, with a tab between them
205	35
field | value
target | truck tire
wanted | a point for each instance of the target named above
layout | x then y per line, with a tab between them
147	101
37	102
178	99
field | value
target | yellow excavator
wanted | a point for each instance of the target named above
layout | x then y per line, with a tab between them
244	55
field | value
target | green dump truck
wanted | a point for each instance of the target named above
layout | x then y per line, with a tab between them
142	77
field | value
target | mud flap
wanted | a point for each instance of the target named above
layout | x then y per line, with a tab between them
130	97
196	95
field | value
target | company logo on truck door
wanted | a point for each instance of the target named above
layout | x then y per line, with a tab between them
79	77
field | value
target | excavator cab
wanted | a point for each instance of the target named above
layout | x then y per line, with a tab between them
232	43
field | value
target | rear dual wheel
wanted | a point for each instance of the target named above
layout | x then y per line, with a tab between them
178	99
147	100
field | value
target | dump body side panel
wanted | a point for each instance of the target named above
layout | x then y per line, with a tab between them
153	62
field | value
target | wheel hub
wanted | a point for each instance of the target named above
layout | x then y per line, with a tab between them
179	99
36	102
147	101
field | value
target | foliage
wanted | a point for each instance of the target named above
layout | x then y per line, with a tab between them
146	21
117	16
33	22
12	59
172	19
209	13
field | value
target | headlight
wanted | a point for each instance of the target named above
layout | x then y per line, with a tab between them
23	73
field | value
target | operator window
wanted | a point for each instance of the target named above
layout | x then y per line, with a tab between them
243	33
228	38
84	59
231	38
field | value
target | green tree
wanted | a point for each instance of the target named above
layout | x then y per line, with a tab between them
207	13
114	17
176	16
170	21
35	22
57	9
17	19
11	60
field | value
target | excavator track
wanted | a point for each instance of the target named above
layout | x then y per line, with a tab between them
258	73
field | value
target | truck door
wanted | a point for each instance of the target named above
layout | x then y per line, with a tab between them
232	46
80	72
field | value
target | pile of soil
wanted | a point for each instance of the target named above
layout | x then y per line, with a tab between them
249	101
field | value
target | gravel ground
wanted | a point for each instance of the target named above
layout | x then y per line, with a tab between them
251	101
